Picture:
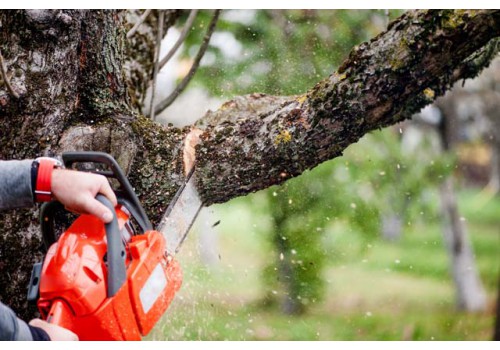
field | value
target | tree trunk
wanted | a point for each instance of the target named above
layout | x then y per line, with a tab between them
496	331
492	111
469	288
67	68
392	226
470	292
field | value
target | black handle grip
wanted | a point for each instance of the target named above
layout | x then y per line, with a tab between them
117	273
126	194
47	216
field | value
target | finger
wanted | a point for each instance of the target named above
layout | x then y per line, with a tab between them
93	207
107	191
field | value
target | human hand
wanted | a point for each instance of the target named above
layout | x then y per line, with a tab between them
55	332
77	190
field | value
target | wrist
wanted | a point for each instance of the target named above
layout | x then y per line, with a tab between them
38	333
41	173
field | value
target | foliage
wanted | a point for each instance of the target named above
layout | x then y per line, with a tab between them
350	193
285	52
280	52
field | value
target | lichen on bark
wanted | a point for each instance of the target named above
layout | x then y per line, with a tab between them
382	82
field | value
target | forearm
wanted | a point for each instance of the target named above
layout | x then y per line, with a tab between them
11	327
15	184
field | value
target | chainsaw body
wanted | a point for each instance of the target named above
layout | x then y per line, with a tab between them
107	282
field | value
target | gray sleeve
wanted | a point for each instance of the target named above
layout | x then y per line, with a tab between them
15	184
11	327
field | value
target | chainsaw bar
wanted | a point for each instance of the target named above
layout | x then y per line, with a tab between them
180	215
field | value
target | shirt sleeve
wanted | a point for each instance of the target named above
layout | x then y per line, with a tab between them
15	184
11	327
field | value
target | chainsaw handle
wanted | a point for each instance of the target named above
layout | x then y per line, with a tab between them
117	273
47	216
125	193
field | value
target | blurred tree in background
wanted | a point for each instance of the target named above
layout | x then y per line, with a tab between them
283	52
377	188
381	187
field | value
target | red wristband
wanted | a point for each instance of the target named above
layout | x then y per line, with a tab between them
43	187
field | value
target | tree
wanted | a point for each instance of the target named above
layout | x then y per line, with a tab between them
65	89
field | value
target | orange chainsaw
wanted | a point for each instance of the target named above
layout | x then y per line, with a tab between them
113	281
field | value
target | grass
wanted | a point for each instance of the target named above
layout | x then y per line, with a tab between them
376	290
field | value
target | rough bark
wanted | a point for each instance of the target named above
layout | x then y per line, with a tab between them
67	67
381	83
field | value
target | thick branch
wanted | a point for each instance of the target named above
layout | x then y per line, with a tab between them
381	83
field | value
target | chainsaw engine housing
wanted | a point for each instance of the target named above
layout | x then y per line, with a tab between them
74	282
104	281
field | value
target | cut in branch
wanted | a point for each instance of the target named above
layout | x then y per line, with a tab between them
180	88
180	40
381	83
141	20
159	38
6	79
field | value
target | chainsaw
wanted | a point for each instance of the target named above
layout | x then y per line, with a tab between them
111	281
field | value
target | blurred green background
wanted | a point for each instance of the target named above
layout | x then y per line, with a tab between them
308	260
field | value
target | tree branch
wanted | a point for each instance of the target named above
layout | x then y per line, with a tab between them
136	26
159	38
6	78
180	40
178	90
381	83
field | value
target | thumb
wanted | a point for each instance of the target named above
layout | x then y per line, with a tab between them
96	208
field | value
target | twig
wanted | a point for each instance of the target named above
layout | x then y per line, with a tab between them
6	79
159	37
387	18
182	37
182	85
136	26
